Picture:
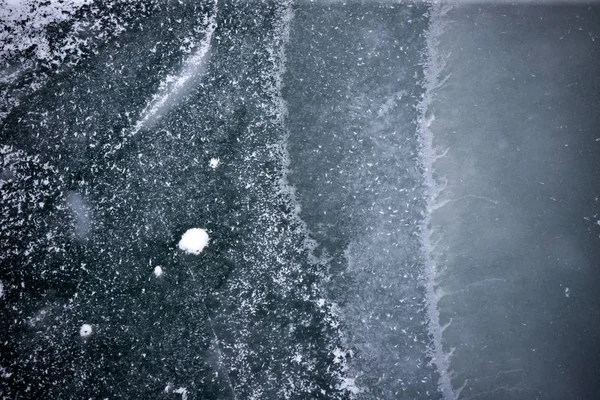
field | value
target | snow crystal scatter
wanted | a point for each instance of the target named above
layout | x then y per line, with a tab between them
349	384
158	271
85	330
194	241
25	22
214	163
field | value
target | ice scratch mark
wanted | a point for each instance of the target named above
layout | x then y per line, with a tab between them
442	293
221	367
516	389
174	87
442	203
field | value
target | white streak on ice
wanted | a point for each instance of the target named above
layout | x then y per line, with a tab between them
175	86
82	215
435	64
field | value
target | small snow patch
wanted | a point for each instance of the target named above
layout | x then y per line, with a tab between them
297	358
194	241
214	163
4	373
158	271
183	392
85	330
349	384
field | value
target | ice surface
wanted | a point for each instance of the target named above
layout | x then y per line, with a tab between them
372	234
57	35
353	151
193	241
507	244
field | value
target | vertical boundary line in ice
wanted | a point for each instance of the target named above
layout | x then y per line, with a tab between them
434	65
278	58
173	86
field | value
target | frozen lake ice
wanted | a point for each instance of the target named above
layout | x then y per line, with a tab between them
401	198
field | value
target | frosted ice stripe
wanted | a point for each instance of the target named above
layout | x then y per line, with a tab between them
277	55
174	86
435	64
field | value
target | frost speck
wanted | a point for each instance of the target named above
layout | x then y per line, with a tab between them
194	241
214	163
566	292
183	392
4	373
158	271
349	384
85	330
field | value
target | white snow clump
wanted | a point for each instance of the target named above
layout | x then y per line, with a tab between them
214	163
194	241
85	330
